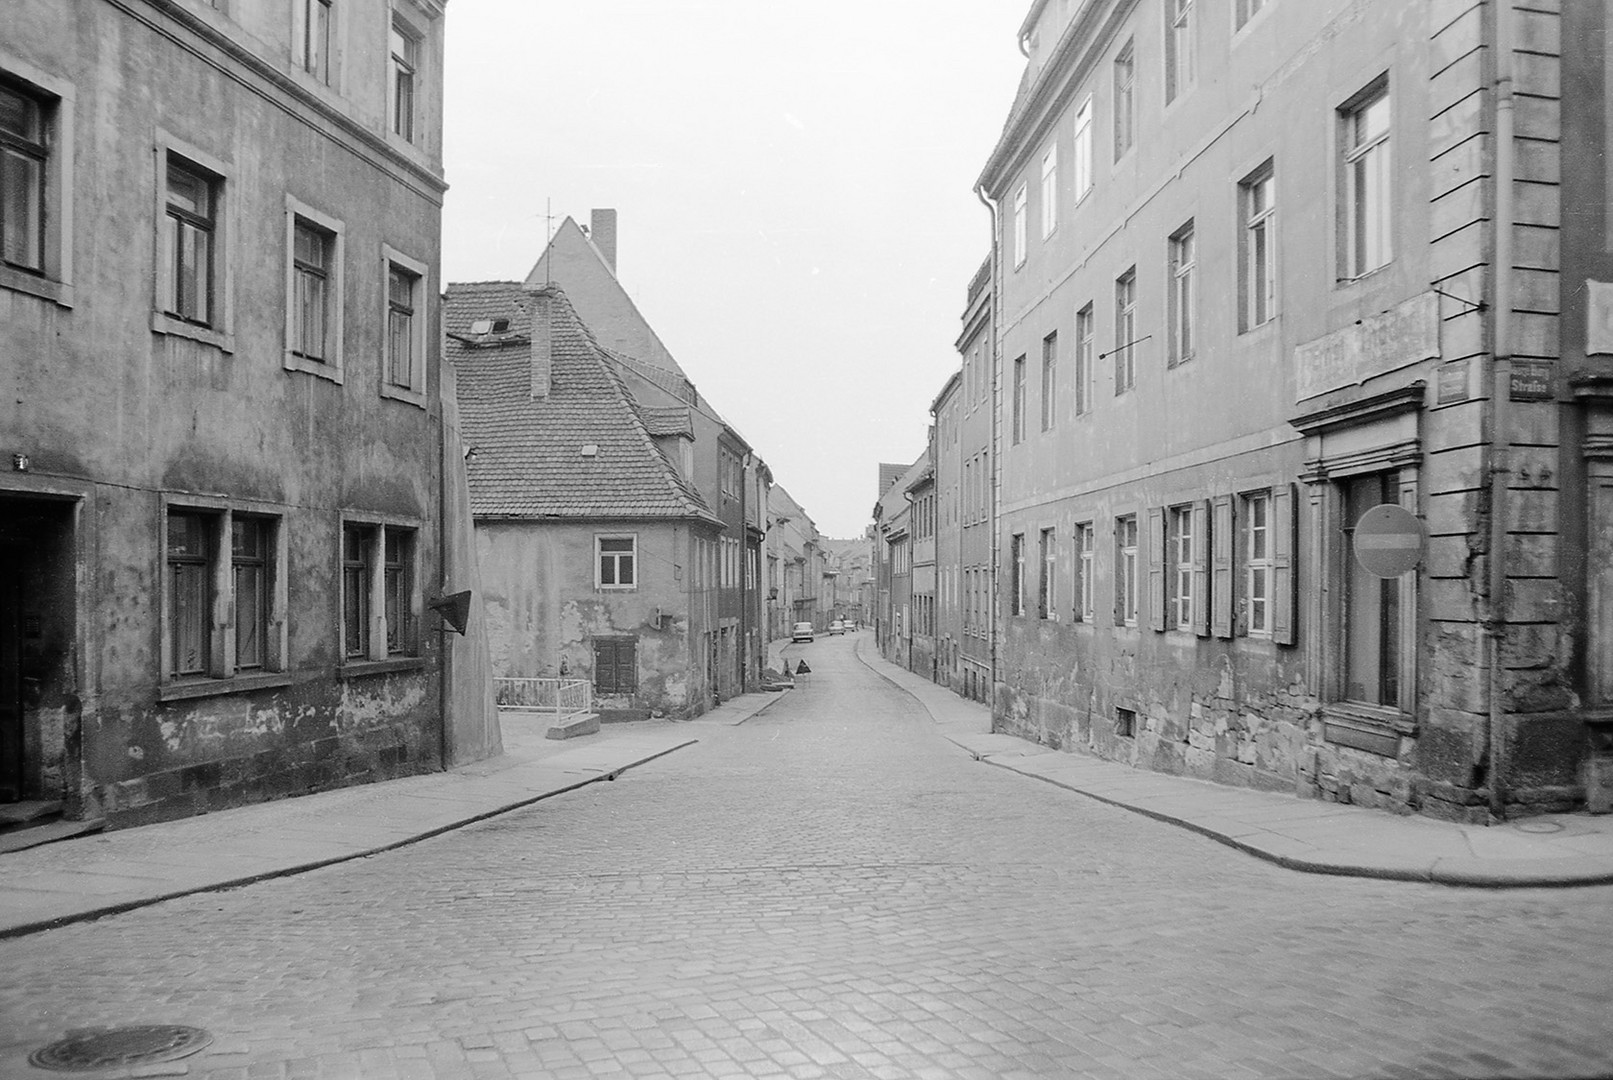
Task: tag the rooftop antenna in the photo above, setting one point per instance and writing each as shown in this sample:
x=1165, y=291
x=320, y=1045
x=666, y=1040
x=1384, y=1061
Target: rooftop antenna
x=548, y=243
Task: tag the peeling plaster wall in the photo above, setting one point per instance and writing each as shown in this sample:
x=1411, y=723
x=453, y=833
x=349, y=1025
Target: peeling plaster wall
x=544, y=609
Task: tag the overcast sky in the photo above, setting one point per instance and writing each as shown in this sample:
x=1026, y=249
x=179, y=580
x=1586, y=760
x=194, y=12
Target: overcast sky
x=795, y=189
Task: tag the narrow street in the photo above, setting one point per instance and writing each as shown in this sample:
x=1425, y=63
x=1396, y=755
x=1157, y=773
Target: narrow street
x=831, y=889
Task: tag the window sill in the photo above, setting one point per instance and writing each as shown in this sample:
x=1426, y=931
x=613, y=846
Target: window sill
x=404, y=394
x=1366, y=727
x=57, y=292
x=319, y=368
x=358, y=669
x=1346, y=282
x=239, y=684
x=171, y=327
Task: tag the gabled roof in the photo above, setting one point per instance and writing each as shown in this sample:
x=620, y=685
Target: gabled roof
x=530, y=457
x=888, y=475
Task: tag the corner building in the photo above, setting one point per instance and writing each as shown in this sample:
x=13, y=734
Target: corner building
x=1260, y=267
x=219, y=514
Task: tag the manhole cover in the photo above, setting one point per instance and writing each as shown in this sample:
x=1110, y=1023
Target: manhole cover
x=1540, y=825
x=88, y=1051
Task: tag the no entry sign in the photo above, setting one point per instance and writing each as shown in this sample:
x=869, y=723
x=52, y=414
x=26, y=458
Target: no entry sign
x=1388, y=541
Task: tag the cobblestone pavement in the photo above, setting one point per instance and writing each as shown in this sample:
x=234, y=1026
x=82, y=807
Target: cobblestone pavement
x=831, y=890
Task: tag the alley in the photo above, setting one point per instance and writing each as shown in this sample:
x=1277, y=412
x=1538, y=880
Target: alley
x=832, y=890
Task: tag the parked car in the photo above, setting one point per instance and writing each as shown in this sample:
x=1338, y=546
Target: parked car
x=802, y=632
x=837, y=627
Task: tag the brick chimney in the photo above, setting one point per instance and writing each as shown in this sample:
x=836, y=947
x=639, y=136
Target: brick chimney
x=543, y=304
x=602, y=231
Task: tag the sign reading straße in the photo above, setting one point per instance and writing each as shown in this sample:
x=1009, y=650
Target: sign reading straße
x=1388, y=541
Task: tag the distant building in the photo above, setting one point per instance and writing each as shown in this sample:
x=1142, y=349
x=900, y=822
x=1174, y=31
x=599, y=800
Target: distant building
x=599, y=558
x=220, y=523
x=1259, y=272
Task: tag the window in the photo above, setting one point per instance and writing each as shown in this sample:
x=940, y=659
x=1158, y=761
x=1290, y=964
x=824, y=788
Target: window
x=190, y=598
x=1256, y=552
x=1016, y=592
x=1019, y=227
x=314, y=244
x=190, y=226
x=1182, y=564
x=1019, y=400
x=1246, y=10
x=403, y=375
x=1125, y=330
x=249, y=564
x=1366, y=244
x=405, y=61
x=311, y=261
x=223, y=598
x=310, y=37
x=1050, y=380
x=1371, y=604
x=1083, y=361
x=1125, y=118
x=1046, y=599
x=1083, y=149
x=1084, y=550
x=615, y=665
x=380, y=610
x=1126, y=570
x=1050, y=191
x=24, y=152
x=1179, y=51
x=1125, y=722
x=1257, y=267
x=1182, y=264
x=616, y=562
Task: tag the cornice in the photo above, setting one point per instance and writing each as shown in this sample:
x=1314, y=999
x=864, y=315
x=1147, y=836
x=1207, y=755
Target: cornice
x=363, y=142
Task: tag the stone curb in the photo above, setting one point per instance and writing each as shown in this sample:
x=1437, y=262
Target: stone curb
x=23, y=929
x=1471, y=872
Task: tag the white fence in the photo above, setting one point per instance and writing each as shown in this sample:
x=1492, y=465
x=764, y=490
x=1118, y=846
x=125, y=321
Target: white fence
x=560, y=698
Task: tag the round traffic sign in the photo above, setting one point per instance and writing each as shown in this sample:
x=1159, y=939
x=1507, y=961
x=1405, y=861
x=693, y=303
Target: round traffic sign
x=1388, y=541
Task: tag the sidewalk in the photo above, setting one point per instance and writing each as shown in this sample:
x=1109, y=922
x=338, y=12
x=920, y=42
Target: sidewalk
x=1301, y=834
x=105, y=873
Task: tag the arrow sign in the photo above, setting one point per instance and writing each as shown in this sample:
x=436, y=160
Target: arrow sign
x=1389, y=541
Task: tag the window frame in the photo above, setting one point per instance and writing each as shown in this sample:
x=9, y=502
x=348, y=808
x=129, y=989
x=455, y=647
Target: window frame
x=179, y=223
x=1127, y=527
x=1021, y=241
x=1181, y=49
x=1356, y=156
x=1017, y=431
x=1083, y=149
x=331, y=367
x=219, y=331
x=56, y=98
x=222, y=671
x=1183, y=299
x=1245, y=12
x=1124, y=117
x=1125, y=331
x=633, y=562
x=1016, y=592
x=1050, y=190
x=1250, y=563
x=1085, y=559
x=379, y=640
x=1050, y=380
x=1257, y=232
x=1085, y=341
x=414, y=392
x=1047, y=583
x=401, y=123
x=324, y=69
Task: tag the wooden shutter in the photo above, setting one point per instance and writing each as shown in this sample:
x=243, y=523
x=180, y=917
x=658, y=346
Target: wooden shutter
x=1223, y=584
x=1284, y=531
x=1155, y=542
x=1201, y=568
x=1120, y=593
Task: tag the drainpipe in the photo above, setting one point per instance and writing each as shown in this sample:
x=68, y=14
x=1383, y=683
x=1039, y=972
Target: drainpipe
x=996, y=434
x=1500, y=402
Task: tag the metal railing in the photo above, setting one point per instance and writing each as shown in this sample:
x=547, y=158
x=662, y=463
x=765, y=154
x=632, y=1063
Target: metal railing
x=561, y=698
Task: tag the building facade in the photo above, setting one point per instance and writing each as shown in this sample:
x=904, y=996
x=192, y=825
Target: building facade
x=223, y=429
x=1260, y=270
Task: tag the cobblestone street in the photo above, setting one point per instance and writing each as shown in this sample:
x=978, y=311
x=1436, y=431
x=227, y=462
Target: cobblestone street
x=832, y=890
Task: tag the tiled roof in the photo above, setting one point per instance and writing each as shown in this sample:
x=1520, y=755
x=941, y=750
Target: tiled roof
x=667, y=421
x=530, y=459
x=888, y=475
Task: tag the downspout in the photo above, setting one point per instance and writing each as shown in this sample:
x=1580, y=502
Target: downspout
x=1500, y=401
x=996, y=455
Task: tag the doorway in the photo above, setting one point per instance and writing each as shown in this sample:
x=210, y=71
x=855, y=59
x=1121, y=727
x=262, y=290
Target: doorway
x=37, y=655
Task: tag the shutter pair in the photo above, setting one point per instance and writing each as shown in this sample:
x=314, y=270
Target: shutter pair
x=1215, y=579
